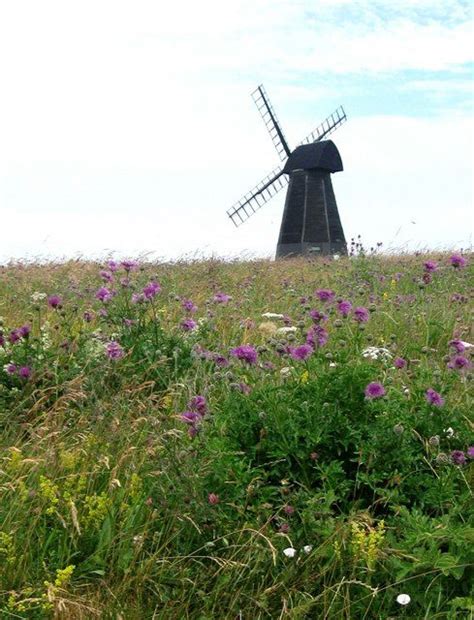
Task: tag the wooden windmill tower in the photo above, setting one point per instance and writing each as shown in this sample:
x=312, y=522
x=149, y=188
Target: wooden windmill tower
x=311, y=221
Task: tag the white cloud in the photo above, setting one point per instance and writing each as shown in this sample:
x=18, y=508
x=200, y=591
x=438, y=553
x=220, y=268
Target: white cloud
x=129, y=126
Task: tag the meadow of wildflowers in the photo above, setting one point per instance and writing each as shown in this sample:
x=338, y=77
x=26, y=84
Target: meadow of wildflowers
x=249, y=440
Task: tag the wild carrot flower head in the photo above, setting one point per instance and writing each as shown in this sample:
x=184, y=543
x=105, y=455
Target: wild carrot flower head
x=361, y=314
x=245, y=353
x=54, y=301
x=302, y=352
x=433, y=398
x=374, y=390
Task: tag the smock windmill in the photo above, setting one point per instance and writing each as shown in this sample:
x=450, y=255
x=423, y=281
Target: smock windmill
x=311, y=221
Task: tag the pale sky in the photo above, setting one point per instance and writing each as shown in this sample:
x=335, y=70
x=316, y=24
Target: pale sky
x=127, y=127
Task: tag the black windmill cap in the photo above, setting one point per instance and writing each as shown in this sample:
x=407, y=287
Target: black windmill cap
x=322, y=155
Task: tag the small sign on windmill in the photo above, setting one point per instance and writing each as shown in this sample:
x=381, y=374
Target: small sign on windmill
x=311, y=222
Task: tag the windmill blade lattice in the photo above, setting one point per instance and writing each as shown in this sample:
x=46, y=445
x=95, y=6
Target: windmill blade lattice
x=268, y=115
x=258, y=196
x=330, y=124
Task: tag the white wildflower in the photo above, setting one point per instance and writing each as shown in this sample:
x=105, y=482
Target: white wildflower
x=286, y=330
x=37, y=296
x=272, y=315
x=336, y=257
x=467, y=345
x=403, y=599
x=285, y=372
x=332, y=364
x=449, y=432
x=308, y=548
x=289, y=552
x=375, y=353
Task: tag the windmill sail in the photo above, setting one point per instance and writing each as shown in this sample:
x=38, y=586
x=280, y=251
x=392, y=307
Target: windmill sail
x=268, y=115
x=330, y=124
x=258, y=196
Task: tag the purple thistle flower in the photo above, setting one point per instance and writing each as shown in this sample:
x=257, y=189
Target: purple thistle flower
x=325, y=294
x=11, y=369
x=107, y=276
x=14, y=336
x=88, y=316
x=458, y=345
x=433, y=398
x=399, y=362
x=317, y=316
x=459, y=362
x=198, y=403
x=188, y=325
x=114, y=351
x=458, y=261
x=188, y=305
x=24, y=372
x=25, y=330
x=361, y=314
x=220, y=360
x=302, y=352
x=125, y=282
x=103, y=294
x=55, y=302
x=138, y=298
x=317, y=336
x=2, y=340
x=245, y=353
x=344, y=307
x=113, y=265
x=374, y=390
x=458, y=457
x=151, y=290
x=470, y=452
x=129, y=265
x=191, y=417
x=222, y=298
x=430, y=266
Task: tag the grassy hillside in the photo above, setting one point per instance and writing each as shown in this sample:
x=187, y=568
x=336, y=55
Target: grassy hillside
x=170, y=452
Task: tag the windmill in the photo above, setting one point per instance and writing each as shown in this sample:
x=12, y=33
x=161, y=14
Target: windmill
x=311, y=221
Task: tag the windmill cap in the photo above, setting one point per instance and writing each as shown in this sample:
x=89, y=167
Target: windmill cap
x=323, y=155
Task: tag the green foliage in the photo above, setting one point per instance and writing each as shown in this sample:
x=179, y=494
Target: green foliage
x=286, y=492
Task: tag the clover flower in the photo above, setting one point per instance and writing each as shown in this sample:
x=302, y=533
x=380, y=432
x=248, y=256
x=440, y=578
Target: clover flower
x=290, y=552
x=433, y=398
x=374, y=390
